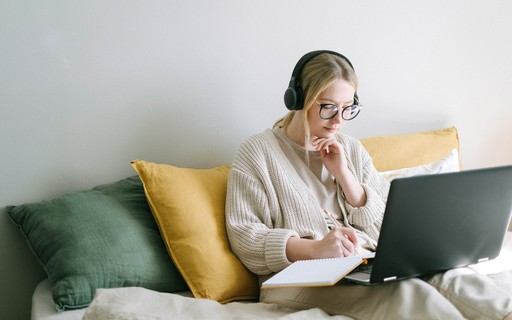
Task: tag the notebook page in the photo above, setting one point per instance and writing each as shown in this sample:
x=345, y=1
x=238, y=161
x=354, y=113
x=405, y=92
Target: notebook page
x=317, y=272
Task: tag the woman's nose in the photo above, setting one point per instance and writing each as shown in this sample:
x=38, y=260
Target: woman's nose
x=337, y=118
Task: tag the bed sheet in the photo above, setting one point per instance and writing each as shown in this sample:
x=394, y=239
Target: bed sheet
x=143, y=304
x=43, y=307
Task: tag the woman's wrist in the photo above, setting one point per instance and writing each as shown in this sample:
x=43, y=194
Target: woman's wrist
x=353, y=192
x=300, y=249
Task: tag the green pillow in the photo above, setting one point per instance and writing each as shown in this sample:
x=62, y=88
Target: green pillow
x=105, y=237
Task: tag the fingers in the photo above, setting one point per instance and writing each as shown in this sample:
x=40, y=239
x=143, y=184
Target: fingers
x=347, y=240
x=351, y=235
x=324, y=144
x=347, y=247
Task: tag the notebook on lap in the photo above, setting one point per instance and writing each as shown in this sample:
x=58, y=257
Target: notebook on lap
x=433, y=223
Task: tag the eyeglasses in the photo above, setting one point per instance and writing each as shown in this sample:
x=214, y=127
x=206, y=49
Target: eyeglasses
x=329, y=111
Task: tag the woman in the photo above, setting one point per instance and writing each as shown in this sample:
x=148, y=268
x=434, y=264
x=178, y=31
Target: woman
x=287, y=182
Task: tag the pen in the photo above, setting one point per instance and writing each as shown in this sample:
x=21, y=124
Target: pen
x=336, y=222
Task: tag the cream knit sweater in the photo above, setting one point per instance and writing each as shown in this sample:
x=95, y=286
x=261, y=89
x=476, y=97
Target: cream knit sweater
x=267, y=202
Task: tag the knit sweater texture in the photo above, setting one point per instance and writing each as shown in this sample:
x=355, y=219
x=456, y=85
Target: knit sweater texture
x=267, y=202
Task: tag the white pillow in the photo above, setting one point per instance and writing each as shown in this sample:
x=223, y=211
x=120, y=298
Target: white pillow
x=447, y=164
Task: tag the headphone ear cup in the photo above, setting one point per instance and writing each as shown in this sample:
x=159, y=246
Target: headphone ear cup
x=290, y=98
x=300, y=98
x=293, y=98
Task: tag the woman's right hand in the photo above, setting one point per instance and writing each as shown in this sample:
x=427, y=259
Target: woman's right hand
x=339, y=242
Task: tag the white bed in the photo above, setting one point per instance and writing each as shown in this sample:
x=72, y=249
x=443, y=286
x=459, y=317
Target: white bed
x=139, y=303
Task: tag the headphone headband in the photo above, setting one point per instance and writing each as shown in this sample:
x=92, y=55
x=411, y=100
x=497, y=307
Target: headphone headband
x=294, y=95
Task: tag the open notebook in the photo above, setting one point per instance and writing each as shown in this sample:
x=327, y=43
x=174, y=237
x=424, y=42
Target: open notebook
x=316, y=272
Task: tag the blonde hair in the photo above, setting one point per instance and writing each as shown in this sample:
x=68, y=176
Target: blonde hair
x=318, y=74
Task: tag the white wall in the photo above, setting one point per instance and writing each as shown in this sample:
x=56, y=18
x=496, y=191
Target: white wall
x=87, y=86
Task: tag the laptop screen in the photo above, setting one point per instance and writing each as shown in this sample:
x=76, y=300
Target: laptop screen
x=437, y=222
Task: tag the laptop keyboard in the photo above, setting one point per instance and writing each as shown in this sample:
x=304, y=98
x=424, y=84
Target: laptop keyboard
x=365, y=268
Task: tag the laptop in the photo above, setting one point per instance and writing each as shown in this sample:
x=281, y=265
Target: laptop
x=433, y=223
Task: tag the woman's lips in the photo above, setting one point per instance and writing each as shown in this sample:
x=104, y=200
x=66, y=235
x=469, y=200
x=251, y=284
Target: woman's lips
x=331, y=130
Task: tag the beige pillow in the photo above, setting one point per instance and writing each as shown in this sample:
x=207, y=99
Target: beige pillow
x=411, y=150
x=188, y=206
x=445, y=165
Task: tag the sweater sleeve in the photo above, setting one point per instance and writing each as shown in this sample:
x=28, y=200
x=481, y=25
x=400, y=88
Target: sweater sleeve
x=367, y=218
x=249, y=220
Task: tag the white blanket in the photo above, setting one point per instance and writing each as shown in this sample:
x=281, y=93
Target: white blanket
x=142, y=304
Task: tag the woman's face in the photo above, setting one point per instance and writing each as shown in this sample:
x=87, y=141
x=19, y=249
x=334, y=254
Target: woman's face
x=340, y=93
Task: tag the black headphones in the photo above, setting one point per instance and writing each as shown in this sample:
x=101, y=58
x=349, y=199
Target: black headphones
x=294, y=95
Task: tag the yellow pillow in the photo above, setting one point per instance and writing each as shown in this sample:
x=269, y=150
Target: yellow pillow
x=411, y=150
x=188, y=206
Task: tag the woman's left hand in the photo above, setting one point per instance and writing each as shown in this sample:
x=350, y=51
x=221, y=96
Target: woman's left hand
x=332, y=155
x=334, y=160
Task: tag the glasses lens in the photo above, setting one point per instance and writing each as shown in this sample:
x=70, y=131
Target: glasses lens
x=351, y=112
x=328, y=111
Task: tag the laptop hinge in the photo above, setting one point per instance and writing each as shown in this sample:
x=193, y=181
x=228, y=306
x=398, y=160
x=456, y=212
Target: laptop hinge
x=389, y=279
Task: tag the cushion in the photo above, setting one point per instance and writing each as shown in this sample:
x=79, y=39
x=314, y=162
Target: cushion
x=447, y=164
x=410, y=150
x=100, y=238
x=188, y=205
